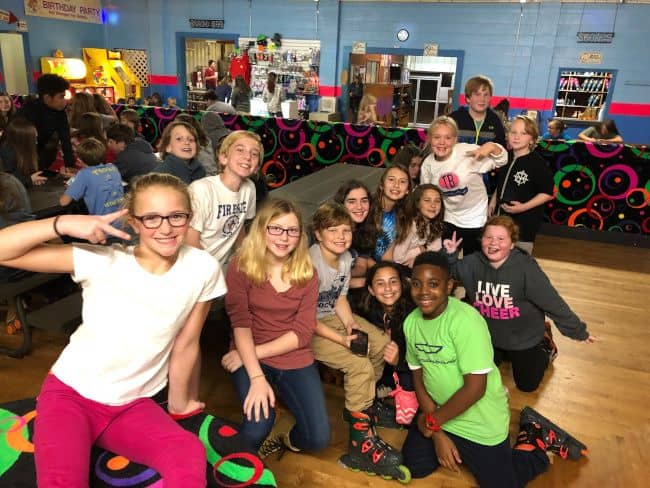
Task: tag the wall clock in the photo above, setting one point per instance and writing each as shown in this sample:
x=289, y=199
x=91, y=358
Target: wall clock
x=402, y=35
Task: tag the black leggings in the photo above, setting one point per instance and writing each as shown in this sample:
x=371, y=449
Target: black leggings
x=497, y=466
x=528, y=365
x=471, y=237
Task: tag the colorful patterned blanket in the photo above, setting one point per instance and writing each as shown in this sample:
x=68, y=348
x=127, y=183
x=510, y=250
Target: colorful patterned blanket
x=230, y=462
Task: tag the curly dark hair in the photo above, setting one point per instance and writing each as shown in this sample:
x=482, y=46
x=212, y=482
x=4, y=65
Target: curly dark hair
x=426, y=229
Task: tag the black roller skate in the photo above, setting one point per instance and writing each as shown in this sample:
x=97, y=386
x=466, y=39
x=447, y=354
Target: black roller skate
x=537, y=430
x=383, y=414
x=548, y=344
x=367, y=452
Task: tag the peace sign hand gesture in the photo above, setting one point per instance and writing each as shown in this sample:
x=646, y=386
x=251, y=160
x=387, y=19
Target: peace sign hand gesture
x=93, y=228
x=451, y=245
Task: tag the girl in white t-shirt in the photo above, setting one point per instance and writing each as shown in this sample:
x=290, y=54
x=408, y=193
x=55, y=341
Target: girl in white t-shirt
x=222, y=203
x=457, y=169
x=143, y=311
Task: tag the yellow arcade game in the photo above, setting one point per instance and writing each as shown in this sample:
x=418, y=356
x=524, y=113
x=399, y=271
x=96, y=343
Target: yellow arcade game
x=72, y=69
x=106, y=68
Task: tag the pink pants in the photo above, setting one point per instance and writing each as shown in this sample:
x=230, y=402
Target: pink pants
x=67, y=425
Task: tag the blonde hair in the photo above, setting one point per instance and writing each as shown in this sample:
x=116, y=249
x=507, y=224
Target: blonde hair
x=232, y=138
x=442, y=120
x=366, y=100
x=298, y=267
x=144, y=182
x=530, y=128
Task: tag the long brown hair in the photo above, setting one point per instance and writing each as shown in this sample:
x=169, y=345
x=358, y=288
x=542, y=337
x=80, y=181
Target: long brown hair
x=20, y=137
x=5, y=118
x=402, y=220
x=426, y=229
x=364, y=235
x=270, y=82
x=81, y=103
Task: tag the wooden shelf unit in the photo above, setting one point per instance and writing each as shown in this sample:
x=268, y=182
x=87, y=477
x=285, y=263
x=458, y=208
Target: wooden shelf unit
x=581, y=95
x=196, y=99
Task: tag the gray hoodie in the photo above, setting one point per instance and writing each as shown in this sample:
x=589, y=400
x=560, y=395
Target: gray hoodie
x=514, y=300
x=137, y=159
x=214, y=128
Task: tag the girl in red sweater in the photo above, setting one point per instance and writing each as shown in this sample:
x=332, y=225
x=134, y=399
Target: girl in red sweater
x=271, y=302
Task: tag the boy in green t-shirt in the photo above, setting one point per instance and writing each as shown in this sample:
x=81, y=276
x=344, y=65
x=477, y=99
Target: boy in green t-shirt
x=464, y=414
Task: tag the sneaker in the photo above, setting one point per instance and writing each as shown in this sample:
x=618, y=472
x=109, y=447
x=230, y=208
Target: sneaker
x=14, y=326
x=277, y=443
x=539, y=431
x=548, y=344
x=272, y=445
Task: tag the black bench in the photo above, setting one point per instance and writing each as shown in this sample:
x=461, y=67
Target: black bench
x=62, y=315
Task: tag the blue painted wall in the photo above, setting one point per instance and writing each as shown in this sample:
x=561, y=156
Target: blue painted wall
x=44, y=35
x=520, y=46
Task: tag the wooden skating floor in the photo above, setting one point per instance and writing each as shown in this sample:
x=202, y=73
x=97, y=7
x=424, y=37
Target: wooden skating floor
x=600, y=393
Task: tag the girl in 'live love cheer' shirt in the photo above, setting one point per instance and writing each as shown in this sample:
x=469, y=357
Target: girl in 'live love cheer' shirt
x=512, y=293
x=223, y=202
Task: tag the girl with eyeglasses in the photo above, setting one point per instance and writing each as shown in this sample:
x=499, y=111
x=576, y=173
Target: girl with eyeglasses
x=99, y=389
x=271, y=302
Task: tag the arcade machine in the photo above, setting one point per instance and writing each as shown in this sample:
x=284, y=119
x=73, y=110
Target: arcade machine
x=110, y=75
x=72, y=69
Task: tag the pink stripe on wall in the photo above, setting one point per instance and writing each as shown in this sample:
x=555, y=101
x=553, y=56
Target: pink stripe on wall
x=518, y=102
x=634, y=109
x=163, y=80
x=615, y=108
x=329, y=91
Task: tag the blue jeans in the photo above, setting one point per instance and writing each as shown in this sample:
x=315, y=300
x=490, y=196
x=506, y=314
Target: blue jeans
x=302, y=392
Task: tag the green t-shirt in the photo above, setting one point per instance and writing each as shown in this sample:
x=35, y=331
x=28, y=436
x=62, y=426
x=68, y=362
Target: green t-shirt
x=452, y=345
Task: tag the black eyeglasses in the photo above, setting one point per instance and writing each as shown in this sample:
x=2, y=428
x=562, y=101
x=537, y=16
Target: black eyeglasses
x=154, y=221
x=275, y=230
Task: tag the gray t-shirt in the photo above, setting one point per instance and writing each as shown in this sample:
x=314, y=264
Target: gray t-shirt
x=332, y=283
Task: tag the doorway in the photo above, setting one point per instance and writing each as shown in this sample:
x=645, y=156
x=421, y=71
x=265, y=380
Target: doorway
x=12, y=64
x=425, y=93
x=432, y=81
x=193, y=51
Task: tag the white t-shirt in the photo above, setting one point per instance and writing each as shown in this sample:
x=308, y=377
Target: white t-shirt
x=130, y=318
x=332, y=283
x=219, y=213
x=460, y=179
